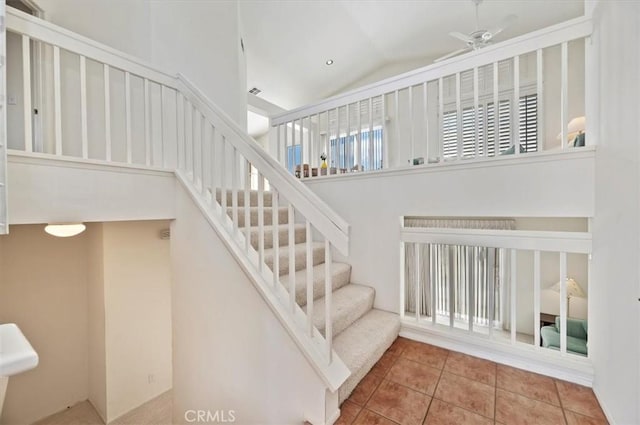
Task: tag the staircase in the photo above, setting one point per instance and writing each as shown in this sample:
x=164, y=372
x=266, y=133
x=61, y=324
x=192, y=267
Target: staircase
x=361, y=333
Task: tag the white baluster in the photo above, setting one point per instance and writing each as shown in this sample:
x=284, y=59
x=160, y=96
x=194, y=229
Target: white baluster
x=512, y=311
x=163, y=99
x=540, y=98
x=476, y=113
x=496, y=109
x=515, y=133
x=223, y=188
x=180, y=129
x=147, y=124
x=57, y=102
x=292, y=258
x=425, y=106
x=261, y=220
x=247, y=205
x=127, y=115
x=416, y=278
x=107, y=112
x=536, y=298
x=309, y=244
x=411, y=125
x=276, y=237
x=564, y=94
x=459, y=116
x=563, y=302
x=26, y=92
x=403, y=295
x=328, y=288
x=84, y=132
x=440, y=119
x=234, y=189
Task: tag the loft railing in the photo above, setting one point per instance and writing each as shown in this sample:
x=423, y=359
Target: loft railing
x=487, y=281
x=102, y=105
x=446, y=111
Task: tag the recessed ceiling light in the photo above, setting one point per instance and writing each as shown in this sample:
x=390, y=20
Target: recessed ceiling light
x=329, y=62
x=65, y=230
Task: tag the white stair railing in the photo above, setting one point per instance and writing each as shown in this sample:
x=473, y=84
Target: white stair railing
x=168, y=123
x=445, y=111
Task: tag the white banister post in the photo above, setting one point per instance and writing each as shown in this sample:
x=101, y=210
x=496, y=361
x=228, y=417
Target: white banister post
x=416, y=278
x=261, y=221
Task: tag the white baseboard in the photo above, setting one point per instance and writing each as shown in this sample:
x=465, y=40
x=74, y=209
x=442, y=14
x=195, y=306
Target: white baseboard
x=603, y=406
x=534, y=359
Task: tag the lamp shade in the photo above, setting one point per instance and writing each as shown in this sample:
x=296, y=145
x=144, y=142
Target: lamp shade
x=575, y=127
x=573, y=288
x=65, y=230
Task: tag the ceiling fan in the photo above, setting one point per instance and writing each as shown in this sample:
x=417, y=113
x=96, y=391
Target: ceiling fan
x=480, y=37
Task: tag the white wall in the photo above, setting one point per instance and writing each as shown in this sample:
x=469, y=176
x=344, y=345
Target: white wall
x=137, y=296
x=615, y=337
x=42, y=191
x=372, y=204
x=43, y=290
x=123, y=24
x=229, y=350
x=96, y=320
x=201, y=39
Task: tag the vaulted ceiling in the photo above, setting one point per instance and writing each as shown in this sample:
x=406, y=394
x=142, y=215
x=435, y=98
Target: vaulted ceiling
x=288, y=42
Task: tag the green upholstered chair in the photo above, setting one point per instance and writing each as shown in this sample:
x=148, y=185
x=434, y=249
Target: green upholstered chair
x=576, y=336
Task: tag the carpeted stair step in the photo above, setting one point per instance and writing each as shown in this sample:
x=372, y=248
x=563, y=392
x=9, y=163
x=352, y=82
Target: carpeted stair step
x=348, y=304
x=253, y=198
x=340, y=272
x=283, y=215
x=300, y=235
x=300, y=252
x=363, y=343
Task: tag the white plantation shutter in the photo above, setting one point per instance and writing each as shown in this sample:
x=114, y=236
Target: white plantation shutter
x=529, y=122
x=528, y=110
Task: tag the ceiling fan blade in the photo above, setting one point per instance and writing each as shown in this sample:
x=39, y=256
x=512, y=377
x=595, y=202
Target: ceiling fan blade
x=461, y=36
x=452, y=54
x=504, y=24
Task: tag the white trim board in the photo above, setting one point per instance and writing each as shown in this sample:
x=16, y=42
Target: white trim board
x=576, y=370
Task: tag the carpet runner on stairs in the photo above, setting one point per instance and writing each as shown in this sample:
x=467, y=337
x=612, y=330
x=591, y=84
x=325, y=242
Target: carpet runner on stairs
x=361, y=333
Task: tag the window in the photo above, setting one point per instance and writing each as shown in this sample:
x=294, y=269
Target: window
x=528, y=128
x=293, y=157
x=343, y=150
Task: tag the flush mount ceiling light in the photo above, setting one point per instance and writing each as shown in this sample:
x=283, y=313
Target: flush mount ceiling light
x=329, y=62
x=65, y=230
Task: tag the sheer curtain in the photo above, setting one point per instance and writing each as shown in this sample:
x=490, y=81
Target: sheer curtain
x=467, y=269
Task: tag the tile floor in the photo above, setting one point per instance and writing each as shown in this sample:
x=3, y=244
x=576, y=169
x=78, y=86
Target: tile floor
x=415, y=384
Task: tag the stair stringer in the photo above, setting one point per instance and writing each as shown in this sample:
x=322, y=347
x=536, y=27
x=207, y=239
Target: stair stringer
x=334, y=374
